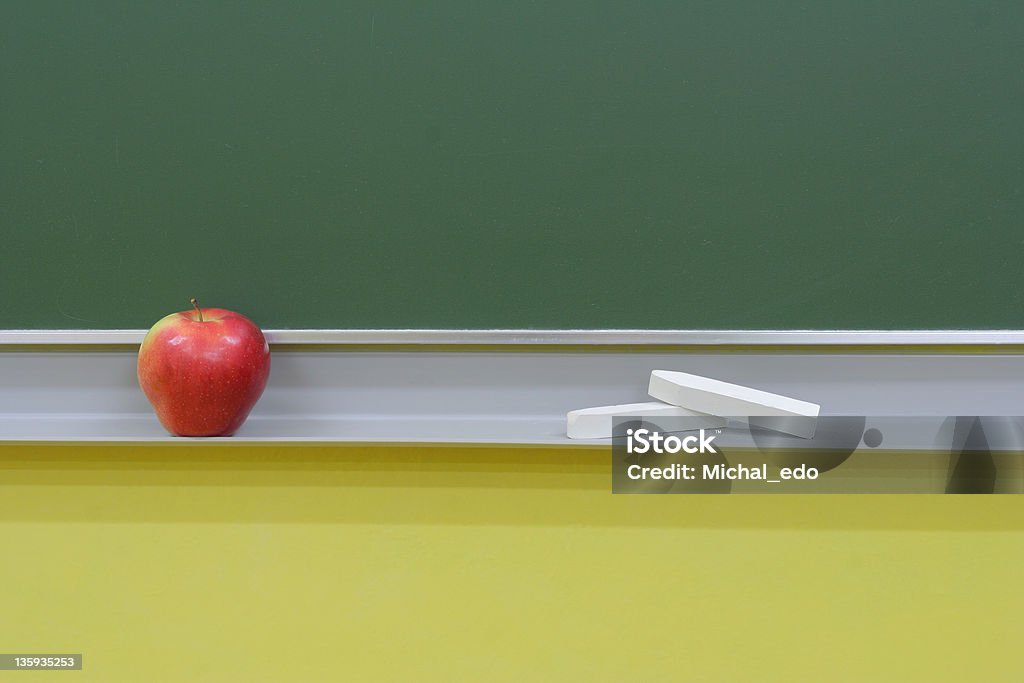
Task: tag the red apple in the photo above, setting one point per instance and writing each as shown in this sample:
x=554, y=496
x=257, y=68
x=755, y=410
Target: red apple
x=203, y=370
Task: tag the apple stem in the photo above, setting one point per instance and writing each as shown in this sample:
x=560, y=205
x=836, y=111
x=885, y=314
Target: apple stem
x=195, y=305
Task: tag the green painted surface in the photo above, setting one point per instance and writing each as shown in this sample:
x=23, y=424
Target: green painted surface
x=727, y=164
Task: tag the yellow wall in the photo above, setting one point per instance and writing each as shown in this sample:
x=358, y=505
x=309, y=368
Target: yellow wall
x=181, y=563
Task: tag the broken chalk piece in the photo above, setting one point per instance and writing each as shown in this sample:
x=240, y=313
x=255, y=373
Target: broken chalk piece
x=758, y=408
x=597, y=423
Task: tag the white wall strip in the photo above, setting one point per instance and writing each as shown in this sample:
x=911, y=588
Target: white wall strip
x=488, y=397
x=556, y=337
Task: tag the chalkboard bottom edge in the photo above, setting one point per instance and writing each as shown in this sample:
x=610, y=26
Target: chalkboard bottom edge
x=526, y=337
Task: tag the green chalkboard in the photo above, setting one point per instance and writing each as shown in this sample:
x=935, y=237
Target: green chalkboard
x=517, y=164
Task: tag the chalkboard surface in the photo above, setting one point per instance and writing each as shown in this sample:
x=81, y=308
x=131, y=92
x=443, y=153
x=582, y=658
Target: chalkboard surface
x=471, y=164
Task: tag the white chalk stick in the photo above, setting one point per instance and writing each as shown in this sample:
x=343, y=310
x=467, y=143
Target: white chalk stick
x=759, y=408
x=597, y=423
